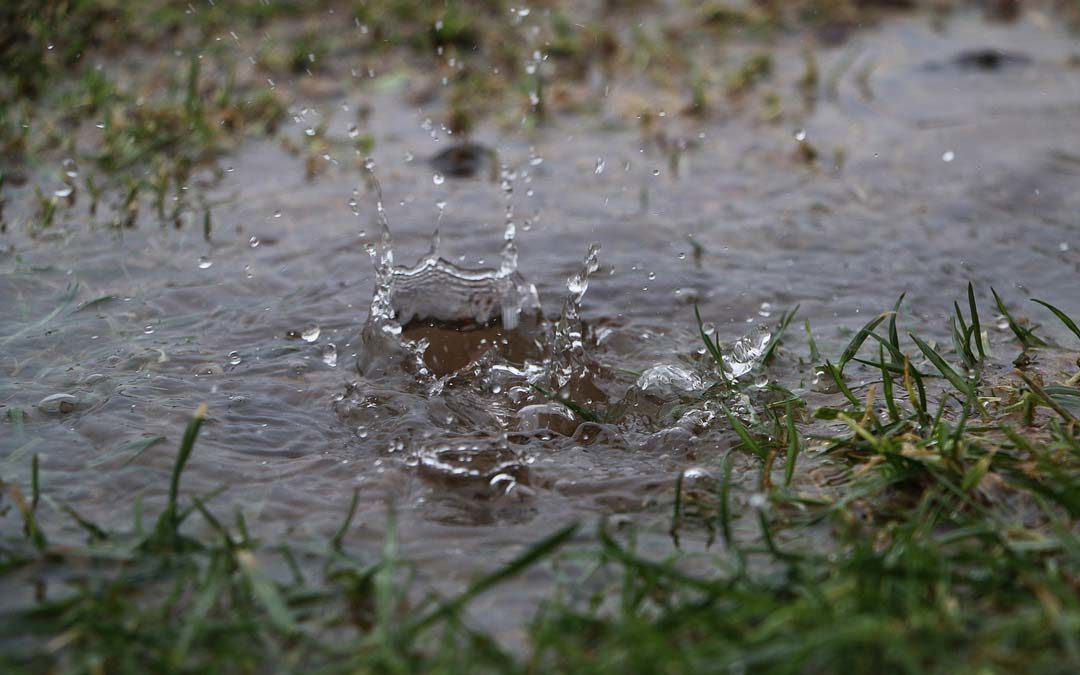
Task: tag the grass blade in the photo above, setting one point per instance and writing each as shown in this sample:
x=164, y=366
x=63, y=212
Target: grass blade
x=1062, y=317
x=973, y=308
x=860, y=337
x=962, y=385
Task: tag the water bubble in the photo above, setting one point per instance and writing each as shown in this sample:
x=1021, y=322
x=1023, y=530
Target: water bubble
x=205, y=263
x=695, y=473
x=948, y=156
x=438, y=179
x=329, y=354
x=600, y=164
x=1002, y=323
x=765, y=310
x=311, y=333
x=656, y=172
x=651, y=275
x=362, y=431
x=58, y=404
x=277, y=214
x=234, y=358
x=254, y=242
x=148, y=329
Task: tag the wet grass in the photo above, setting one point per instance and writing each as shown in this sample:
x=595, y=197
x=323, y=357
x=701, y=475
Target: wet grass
x=923, y=521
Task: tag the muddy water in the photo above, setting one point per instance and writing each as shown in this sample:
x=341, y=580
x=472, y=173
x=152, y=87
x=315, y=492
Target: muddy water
x=929, y=173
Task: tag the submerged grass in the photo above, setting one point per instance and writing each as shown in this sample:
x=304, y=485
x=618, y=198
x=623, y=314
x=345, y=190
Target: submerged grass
x=932, y=530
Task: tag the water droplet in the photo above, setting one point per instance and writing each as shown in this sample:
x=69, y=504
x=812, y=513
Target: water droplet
x=800, y=135
x=310, y=131
x=205, y=263
x=438, y=179
x=148, y=329
x=353, y=131
x=248, y=272
x=329, y=354
x=948, y=156
x=600, y=164
x=651, y=275
x=234, y=358
x=277, y=214
x=254, y=242
x=409, y=157
x=64, y=192
x=70, y=170
x=765, y=310
x=656, y=172
x=311, y=333
x=354, y=205
x=1063, y=246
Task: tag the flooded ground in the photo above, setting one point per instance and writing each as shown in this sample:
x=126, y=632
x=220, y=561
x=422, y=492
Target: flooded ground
x=924, y=161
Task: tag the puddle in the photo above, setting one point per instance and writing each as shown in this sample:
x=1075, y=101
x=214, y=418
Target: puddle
x=448, y=395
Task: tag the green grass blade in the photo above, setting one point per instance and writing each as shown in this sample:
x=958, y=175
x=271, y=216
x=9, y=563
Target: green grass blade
x=169, y=520
x=1062, y=317
x=1026, y=337
x=744, y=435
x=962, y=385
x=857, y=342
x=976, y=325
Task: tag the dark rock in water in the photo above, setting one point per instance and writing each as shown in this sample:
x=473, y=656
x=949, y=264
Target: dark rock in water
x=463, y=160
x=984, y=60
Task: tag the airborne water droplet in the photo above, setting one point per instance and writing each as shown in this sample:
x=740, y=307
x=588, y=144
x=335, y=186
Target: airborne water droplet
x=253, y=242
x=329, y=354
x=205, y=263
x=438, y=179
x=948, y=156
x=600, y=164
x=353, y=131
